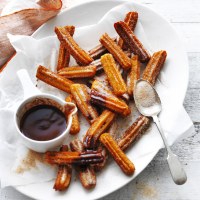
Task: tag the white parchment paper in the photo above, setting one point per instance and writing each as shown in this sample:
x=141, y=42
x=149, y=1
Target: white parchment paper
x=31, y=53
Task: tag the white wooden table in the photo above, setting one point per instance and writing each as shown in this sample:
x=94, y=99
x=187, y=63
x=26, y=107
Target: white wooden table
x=155, y=181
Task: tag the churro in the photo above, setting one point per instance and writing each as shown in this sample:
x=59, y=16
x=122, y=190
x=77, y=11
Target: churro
x=97, y=128
x=131, y=20
x=77, y=52
x=63, y=175
x=86, y=173
x=53, y=79
x=133, y=75
x=78, y=71
x=68, y=157
x=103, y=96
x=132, y=41
x=80, y=93
x=154, y=66
x=116, y=51
x=64, y=55
x=118, y=155
x=135, y=130
x=114, y=77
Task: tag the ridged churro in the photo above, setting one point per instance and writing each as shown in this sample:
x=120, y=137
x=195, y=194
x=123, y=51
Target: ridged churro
x=131, y=20
x=53, y=79
x=154, y=66
x=118, y=155
x=63, y=175
x=103, y=96
x=80, y=93
x=86, y=173
x=114, y=77
x=112, y=131
x=97, y=128
x=132, y=41
x=116, y=51
x=78, y=71
x=87, y=176
x=77, y=52
x=64, y=55
x=135, y=130
x=133, y=75
x=68, y=157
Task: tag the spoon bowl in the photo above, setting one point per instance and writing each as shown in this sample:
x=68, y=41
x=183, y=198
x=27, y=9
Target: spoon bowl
x=146, y=98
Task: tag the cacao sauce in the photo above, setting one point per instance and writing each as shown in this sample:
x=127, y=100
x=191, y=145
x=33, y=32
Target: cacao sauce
x=43, y=122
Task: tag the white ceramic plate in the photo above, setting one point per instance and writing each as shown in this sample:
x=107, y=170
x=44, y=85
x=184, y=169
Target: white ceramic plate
x=157, y=32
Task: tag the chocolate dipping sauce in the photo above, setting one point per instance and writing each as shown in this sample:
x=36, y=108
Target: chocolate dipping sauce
x=43, y=122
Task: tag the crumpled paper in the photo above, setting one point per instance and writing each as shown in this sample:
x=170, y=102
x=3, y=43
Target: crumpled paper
x=31, y=53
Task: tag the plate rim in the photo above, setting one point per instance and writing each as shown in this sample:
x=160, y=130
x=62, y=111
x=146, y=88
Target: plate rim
x=153, y=154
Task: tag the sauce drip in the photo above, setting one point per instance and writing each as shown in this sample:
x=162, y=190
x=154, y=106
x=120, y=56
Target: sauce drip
x=43, y=122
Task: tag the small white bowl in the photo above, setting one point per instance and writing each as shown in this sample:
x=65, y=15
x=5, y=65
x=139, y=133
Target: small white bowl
x=33, y=97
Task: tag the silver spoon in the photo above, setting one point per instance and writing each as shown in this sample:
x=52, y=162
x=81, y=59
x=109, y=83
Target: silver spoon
x=148, y=103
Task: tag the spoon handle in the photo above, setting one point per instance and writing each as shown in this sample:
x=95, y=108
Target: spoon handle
x=176, y=169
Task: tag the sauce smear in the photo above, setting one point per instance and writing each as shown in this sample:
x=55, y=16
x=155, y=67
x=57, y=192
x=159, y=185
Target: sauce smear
x=43, y=122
